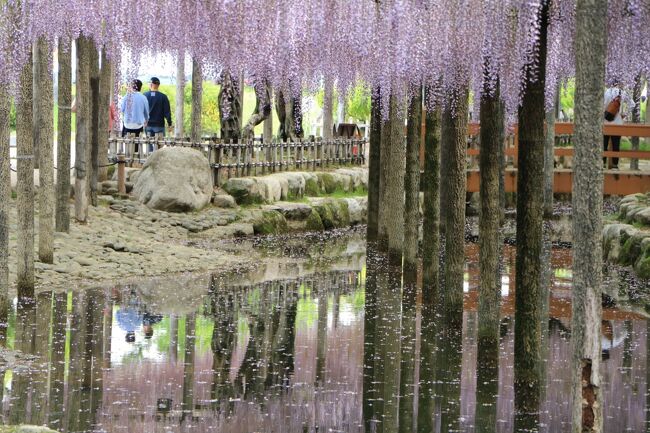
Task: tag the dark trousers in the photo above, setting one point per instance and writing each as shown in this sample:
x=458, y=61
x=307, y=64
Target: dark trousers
x=135, y=132
x=616, y=146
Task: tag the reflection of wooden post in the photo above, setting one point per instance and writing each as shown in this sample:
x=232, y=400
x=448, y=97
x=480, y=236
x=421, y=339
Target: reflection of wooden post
x=188, y=368
x=121, y=175
x=57, y=361
x=173, y=337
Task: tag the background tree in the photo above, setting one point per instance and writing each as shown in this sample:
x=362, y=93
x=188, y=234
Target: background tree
x=412, y=185
x=5, y=202
x=230, y=104
x=197, y=95
x=82, y=137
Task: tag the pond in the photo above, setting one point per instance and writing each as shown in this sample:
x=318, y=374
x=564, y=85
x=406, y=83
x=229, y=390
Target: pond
x=297, y=346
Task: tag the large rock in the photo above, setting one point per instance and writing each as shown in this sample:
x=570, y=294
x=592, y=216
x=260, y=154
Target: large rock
x=175, y=179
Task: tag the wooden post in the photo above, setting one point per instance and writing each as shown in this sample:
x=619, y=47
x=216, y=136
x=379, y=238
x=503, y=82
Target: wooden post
x=121, y=173
x=238, y=170
x=249, y=155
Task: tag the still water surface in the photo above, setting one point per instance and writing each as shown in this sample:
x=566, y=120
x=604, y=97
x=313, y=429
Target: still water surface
x=283, y=349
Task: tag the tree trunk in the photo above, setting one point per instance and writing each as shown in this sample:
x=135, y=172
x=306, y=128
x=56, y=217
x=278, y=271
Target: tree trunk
x=229, y=107
x=327, y=110
x=43, y=139
x=636, y=117
x=530, y=206
x=268, y=127
x=549, y=160
x=197, y=95
x=25, y=185
x=82, y=138
x=180, y=96
x=5, y=202
x=262, y=109
x=382, y=218
x=431, y=223
x=395, y=182
x=412, y=185
x=454, y=132
x=104, y=104
x=374, y=164
x=587, y=201
x=63, y=137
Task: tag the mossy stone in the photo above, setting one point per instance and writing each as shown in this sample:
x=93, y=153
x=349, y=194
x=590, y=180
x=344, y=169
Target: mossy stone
x=326, y=214
x=314, y=222
x=631, y=250
x=311, y=188
x=328, y=182
x=642, y=267
x=342, y=213
x=270, y=223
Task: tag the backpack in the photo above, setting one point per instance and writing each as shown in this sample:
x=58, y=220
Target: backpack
x=613, y=108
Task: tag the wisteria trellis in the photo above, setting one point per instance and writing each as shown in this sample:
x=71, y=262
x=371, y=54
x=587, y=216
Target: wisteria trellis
x=297, y=43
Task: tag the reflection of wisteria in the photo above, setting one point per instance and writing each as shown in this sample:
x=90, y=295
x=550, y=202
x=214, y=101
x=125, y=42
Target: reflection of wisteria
x=283, y=351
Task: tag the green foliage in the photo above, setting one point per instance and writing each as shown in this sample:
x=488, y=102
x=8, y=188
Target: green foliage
x=357, y=102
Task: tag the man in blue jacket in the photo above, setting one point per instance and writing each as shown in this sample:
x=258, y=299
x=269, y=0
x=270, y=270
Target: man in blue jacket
x=159, y=110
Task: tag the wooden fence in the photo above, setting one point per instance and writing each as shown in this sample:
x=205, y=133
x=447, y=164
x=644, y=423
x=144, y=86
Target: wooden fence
x=250, y=158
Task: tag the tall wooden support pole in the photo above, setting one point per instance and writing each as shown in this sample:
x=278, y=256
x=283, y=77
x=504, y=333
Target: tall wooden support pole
x=327, y=109
x=530, y=203
x=63, y=137
x=395, y=181
x=104, y=113
x=374, y=169
x=384, y=170
x=454, y=134
x=431, y=222
x=25, y=185
x=412, y=186
x=549, y=159
x=180, y=96
x=93, y=161
x=5, y=201
x=82, y=137
x=43, y=139
x=197, y=95
x=587, y=200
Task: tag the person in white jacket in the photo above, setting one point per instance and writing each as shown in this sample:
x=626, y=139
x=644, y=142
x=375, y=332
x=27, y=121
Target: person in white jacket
x=611, y=93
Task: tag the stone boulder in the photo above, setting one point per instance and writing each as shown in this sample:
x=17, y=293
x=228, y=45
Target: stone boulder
x=175, y=179
x=224, y=201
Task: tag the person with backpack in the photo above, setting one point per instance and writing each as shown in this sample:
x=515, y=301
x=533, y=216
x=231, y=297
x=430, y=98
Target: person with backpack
x=616, y=102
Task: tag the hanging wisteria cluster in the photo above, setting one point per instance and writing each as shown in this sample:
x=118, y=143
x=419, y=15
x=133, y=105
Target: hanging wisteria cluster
x=392, y=45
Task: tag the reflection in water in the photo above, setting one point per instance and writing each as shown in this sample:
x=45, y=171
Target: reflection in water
x=353, y=349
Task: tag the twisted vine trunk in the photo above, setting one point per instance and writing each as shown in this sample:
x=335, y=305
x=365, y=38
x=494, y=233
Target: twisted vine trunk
x=229, y=107
x=530, y=203
x=549, y=159
x=289, y=112
x=82, y=138
x=63, y=137
x=94, y=124
x=431, y=222
x=383, y=222
x=197, y=103
x=374, y=164
x=412, y=186
x=454, y=134
x=25, y=185
x=262, y=108
x=587, y=201
x=43, y=139
x=636, y=117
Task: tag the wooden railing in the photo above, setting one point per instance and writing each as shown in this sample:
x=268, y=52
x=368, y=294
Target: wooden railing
x=563, y=133
x=249, y=158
